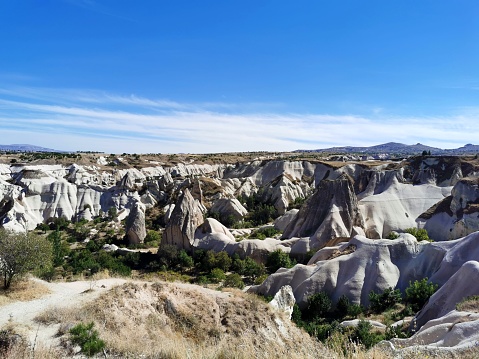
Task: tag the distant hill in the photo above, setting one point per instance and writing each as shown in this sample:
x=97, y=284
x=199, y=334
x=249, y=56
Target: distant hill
x=26, y=148
x=399, y=149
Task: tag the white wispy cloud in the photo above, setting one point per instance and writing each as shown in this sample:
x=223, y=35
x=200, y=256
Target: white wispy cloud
x=95, y=120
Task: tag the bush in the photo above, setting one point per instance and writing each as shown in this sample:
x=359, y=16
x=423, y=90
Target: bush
x=167, y=255
x=395, y=332
x=418, y=293
x=43, y=227
x=58, y=224
x=260, y=279
x=185, y=261
x=233, y=280
x=252, y=269
x=217, y=275
x=263, y=233
x=296, y=316
x=322, y=331
x=363, y=334
x=248, y=267
x=419, y=233
x=223, y=261
x=342, y=306
x=87, y=338
x=228, y=221
x=262, y=214
x=354, y=310
x=319, y=306
x=378, y=303
x=393, y=235
x=59, y=249
x=153, y=237
x=279, y=259
x=113, y=264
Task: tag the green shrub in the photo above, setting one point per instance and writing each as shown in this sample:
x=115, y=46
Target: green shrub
x=252, y=269
x=354, y=310
x=363, y=334
x=419, y=233
x=395, y=332
x=279, y=259
x=248, y=267
x=43, y=227
x=260, y=279
x=393, y=235
x=319, y=306
x=184, y=260
x=112, y=213
x=418, y=293
x=234, y=280
x=263, y=233
x=322, y=331
x=60, y=249
x=58, y=224
x=378, y=303
x=296, y=316
x=113, y=264
x=223, y=261
x=87, y=338
x=167, y=255
x=216, y=275
x=153, y=237
x=262, y=214
x=297, y=203
x=342, y=306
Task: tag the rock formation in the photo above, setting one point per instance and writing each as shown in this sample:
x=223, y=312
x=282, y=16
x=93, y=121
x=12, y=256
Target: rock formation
x=284, y=300
x=455, y=216
x=185, y=218
x=330, y=213
x=135, y=224
x=229, y=208
x=363, y=265
x=212, y=235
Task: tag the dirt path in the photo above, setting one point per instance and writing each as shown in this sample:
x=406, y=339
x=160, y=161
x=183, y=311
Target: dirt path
x=63, y=294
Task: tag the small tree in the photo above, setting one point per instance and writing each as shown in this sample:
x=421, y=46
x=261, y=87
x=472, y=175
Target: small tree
x=418, y=293
x=21, y=253
x=87, y=338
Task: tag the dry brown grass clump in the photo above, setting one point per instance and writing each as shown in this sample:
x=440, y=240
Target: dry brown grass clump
x=24, y=290
x=469, y=304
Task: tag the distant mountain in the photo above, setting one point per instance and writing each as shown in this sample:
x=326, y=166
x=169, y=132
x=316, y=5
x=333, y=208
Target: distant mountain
x=392, y=148
x=25, y=148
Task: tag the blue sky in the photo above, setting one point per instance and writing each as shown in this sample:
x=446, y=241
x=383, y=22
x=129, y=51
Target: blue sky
x=223, y=76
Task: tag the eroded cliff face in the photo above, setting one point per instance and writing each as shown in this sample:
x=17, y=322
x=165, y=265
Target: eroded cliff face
x=389, y=196
x=185, y=218
x=363, y=265
x=455, y=216
x=331, y=212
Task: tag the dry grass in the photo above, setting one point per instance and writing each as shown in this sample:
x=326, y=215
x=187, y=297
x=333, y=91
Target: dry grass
x=175, y=320
x=469, y=304
x=24, y=291
x=179, y=320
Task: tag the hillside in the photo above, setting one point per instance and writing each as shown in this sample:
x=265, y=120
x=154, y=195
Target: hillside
x=395, y=149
